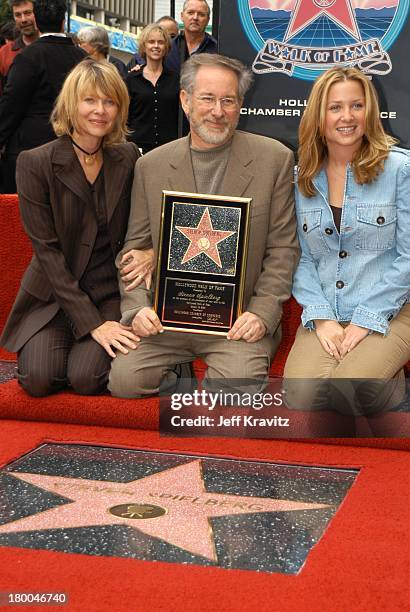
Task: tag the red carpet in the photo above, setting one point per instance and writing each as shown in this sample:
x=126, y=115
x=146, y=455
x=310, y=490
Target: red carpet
x=360, y=564
x=143, y=414
x=15, y=254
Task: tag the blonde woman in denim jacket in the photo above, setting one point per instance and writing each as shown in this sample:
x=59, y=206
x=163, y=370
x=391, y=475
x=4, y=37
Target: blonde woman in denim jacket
x=353, y=279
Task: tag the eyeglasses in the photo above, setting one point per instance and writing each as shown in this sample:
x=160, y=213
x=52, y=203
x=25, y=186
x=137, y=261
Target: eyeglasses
x=211, y=102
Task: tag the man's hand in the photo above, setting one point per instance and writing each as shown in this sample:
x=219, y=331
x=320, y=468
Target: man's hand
x=146, y=323
x=330, y=334
x=353, y=336
x=137, y=266
x=248, y=327
x=114, y=334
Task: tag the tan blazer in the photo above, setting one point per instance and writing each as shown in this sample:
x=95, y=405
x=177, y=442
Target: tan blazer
x=259, y=168
x=58, y=214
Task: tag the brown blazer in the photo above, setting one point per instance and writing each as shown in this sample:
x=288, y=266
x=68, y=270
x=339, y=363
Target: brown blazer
x=259, y=168
x=58, y=215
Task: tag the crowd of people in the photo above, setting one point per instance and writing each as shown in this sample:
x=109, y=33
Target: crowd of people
x=31, y=81
x=335, y=233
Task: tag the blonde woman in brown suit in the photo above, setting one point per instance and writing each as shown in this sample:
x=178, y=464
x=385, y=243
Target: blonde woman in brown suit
x=74, y=196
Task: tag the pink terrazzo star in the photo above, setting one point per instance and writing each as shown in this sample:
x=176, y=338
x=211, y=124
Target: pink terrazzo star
x=203, y=239
x=179, y=493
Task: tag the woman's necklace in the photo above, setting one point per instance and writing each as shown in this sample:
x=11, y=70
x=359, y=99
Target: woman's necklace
x=89, y=158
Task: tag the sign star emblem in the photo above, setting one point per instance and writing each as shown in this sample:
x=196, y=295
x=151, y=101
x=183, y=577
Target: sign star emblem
x=203, y=239
x=172, y=505
x=306, y=11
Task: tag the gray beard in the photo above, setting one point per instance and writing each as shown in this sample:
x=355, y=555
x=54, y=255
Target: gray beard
x=214, y=138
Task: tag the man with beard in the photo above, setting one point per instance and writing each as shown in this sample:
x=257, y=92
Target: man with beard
x=214, y=159
x=23, y=15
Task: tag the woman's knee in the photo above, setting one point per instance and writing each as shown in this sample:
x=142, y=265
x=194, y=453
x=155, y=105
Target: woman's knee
x=307, y=359
x=88, y=368
x=306, y=394
x=89, y=383
x=40, y=383
x=42, y=361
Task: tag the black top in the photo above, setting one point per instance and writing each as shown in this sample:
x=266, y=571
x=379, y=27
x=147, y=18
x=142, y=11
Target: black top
x=153, y=111
x=120, y=66
x=33, y=83
x=337, y=216
x=100, y=273
x=18, y=43
x=179, y=50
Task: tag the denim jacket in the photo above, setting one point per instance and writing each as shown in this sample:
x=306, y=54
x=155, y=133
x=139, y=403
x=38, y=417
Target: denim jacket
x=361, y=274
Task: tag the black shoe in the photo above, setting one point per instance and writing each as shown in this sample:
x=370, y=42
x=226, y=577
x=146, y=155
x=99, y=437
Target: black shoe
x=181, y=379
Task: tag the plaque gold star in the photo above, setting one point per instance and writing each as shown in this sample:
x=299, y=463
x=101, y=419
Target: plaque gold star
x=203, y=239
x=172, y=505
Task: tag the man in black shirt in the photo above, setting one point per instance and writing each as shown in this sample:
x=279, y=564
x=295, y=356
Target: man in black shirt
x=195, y=17
x=193, y=39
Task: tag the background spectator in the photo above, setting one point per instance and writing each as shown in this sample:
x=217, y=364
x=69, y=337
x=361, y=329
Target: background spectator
x=8, y=33
x=193, y=39
x=154, y=93
x=25, y=23
x=170, y=25
x=95, y=41
x=33, y=84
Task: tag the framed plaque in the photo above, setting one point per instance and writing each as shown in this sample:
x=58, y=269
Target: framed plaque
x=201, y=261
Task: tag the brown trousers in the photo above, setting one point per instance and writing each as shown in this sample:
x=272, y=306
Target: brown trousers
x=53, y=360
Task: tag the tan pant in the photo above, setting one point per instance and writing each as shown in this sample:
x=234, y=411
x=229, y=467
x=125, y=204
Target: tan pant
x=141, y=371
x=367, y=380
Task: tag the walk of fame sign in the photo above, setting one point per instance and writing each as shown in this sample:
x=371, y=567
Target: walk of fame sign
x=310, y=36
x=168, y=507
x=290, y=44
x=201, y=262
